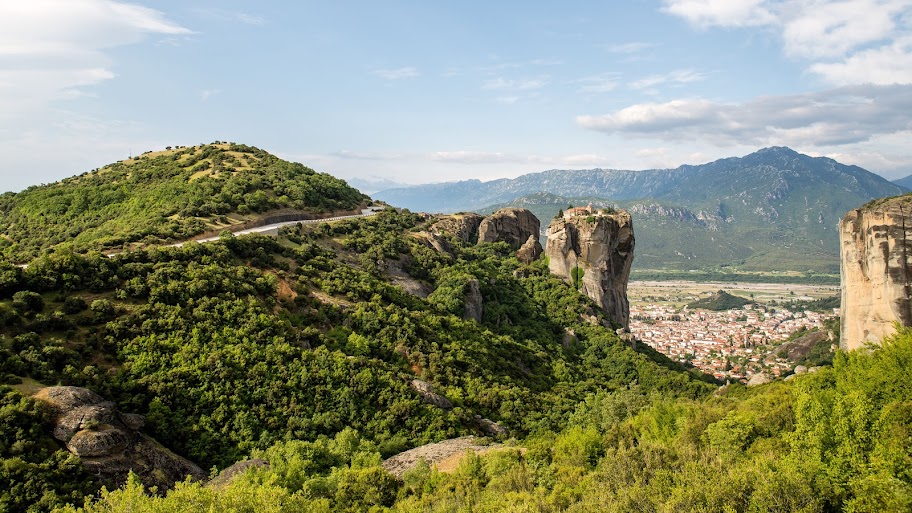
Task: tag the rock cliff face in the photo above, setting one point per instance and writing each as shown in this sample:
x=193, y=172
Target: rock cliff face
x=530, y=251
x=463, y=226
x=511, y=225
x=109, y=442
x=474, y=302
x=595, y=253
x=876, y=246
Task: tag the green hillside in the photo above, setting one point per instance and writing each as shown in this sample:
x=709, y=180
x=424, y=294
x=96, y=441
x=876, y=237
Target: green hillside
x=235, y=346
x=161, y=197
x=839, y=439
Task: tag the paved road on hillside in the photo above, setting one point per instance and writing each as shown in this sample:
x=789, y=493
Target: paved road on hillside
x=273, y=229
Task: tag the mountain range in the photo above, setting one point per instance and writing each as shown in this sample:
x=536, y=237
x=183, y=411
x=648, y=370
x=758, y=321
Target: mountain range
x=775, y=209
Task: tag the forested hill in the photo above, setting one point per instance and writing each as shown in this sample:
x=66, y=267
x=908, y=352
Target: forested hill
x=254, y=343
x=164, y=196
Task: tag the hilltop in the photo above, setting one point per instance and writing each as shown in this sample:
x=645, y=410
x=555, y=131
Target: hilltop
x=719, y=301
x=774, y=209
x=165, y=196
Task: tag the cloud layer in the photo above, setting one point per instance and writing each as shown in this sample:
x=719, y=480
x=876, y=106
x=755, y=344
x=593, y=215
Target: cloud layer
x=843, y=115
x=847, y=41
x=53, y=49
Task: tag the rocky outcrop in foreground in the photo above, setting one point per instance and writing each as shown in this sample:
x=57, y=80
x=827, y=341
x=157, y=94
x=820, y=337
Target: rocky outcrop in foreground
x=109, y=443
x=876, y=247
x=436, y=454
x=594, y=253
x=511, y=225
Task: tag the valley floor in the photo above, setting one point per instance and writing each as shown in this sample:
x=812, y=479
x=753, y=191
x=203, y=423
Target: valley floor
x=732, y=344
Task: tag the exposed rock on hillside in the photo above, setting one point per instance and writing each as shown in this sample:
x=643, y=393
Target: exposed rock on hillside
x=227, y=476
x=530, y=251
x=474, y=303
x=462, y=226
x=511, y=225
x=876, y=247
x=109, y=442
x=759, y=379
x=594, y=253
x=426, y=391
x=436, y=454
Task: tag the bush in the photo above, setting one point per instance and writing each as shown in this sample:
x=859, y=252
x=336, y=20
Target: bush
x=74, y=305
x=28, y=302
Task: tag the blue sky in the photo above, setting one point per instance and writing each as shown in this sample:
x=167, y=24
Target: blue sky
x=416, y=91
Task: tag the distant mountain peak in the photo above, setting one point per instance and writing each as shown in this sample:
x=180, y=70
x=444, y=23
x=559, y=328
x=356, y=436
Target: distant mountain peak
x=777, y=150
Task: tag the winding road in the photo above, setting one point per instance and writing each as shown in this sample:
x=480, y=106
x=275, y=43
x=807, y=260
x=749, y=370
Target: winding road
x=273, y=229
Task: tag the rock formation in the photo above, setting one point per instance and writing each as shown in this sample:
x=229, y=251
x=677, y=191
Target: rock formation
x=594, y=253
x=511, y=225
x=109, y=442
x=530, y=251
x=463, y=226
x=474, y=303
x=426, y=391
x=876, y=247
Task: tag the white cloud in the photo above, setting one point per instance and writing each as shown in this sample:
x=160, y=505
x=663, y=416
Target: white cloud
x=846, y=41
x=893, y=166
x=397, y=73
x=891, y=64
x=361, y=155
x=726, y=13
x=815, y=29
x=472, y=157
x=52, y=49
x=833, y=117
x=681, y=76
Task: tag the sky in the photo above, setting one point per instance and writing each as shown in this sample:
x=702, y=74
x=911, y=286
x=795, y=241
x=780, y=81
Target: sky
x=419, y=92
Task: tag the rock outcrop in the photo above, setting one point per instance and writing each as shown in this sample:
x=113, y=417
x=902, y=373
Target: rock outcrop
x=109, y=443
x=473, y=302
x=463, y=226
x=759, y=379
x=428, y=396
x=437, y=454
x=530, y=251
x=876, y=247
x=227, y=476
x=511, y=225
x=594, y=253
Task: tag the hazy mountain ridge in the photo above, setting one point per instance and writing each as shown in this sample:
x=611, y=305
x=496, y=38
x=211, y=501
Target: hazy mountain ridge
x=772, y=209
x=905, y=181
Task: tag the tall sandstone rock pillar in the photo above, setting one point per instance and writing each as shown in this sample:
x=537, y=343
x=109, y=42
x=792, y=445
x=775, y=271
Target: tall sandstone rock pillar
x=595, y=253
x=876, y=246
